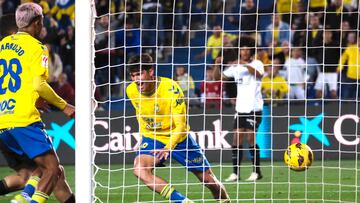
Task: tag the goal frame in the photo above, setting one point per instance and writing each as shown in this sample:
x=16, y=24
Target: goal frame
x=84, y=56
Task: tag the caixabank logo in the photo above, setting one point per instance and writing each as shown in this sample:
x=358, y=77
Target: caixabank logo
x=312, y=128
x=62, y=133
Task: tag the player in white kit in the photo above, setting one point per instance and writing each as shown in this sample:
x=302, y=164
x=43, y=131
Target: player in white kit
x=247, y=72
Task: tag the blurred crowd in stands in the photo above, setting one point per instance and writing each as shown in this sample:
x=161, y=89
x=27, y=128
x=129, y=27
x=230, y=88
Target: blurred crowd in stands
x=58, y=35
x=310, y=48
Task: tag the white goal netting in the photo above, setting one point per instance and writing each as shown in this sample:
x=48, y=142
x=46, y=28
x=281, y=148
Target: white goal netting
x=310, y=86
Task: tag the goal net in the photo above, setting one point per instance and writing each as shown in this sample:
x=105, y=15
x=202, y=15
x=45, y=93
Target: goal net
x=311, y=57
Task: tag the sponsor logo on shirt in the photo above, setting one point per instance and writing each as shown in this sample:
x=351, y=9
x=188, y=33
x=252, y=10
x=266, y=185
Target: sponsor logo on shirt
x=44, y=61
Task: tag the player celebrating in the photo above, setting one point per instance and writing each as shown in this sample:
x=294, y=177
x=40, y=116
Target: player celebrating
x=23, y=74
x=161, y=113
x=247, y=72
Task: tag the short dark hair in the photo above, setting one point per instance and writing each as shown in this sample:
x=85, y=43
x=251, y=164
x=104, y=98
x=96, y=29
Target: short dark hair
x=143, y=62
x=247, y=41
x=7, y=25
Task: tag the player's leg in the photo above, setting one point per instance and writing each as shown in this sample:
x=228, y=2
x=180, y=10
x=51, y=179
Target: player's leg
x=35, y=143
x=49, y=165
x=14, y=182
x=237, y=147
x=210, y=181
x=189, y=154
x=62, y=190
x=144, y=165
x=254, y=149
x=255, y=156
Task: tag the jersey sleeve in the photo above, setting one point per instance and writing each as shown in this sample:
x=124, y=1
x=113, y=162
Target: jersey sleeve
x=39, y=62
x=258, y=65
x=229, y=72
x=178, y=112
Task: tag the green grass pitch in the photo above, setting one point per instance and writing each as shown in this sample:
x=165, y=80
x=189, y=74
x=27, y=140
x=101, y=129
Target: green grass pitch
x=328, y=181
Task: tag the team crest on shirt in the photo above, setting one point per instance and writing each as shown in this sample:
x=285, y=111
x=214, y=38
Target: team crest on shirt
x=157, y=108
x=44, y=61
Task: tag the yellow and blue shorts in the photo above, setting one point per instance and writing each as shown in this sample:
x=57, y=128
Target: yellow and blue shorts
x=30, y=141
x=188, y=153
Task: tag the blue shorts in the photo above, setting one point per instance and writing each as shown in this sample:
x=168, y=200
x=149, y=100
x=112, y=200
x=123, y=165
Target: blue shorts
x=188, y=153
x=31, y=140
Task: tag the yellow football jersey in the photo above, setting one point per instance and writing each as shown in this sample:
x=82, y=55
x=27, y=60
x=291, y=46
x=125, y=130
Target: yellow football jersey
x=21, y=58
x=161, y=116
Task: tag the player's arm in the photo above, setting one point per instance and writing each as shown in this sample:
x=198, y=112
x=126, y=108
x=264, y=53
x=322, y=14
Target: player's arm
x=39, y=66
x=255, y=68
x=46, y=92
x=178, y=113
x=226, y=75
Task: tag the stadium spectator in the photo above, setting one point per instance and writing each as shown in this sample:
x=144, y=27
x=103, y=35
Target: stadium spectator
x=181, y=23
x=7, y=25
x=343, y=34
x=215, y=42
x=67, y=53
x=55, y=65
x=350, y=59
x=8, y=6
x=299, y=18
x=312, y=40
x=198, y=15
x=336, y=12
x=64, y=12
x=328, y=57
x=187, y=84
x=277, y=32
x=153, y=35
x=284, y=53
x=247, y=72
x=132, y=40
x=285, y=8
x=64, y=89
x=211, y=90
x=317, y=6
x=274, y=86
x=248, y=18
x=104, y=54
x=296, y=74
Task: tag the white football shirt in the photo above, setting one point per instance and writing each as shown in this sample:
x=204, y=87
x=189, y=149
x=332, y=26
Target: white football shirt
x=249, y=96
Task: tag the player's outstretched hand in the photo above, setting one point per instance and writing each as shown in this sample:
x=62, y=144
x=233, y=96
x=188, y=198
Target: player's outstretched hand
x=69, y=110
x=161, y=153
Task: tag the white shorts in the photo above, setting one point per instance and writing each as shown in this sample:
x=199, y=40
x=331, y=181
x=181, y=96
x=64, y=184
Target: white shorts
x=326, y=78
x=297, y=92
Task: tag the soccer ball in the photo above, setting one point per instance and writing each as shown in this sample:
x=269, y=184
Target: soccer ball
x=298, y=157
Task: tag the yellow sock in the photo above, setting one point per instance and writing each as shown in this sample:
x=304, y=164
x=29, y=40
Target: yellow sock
x=39, y=197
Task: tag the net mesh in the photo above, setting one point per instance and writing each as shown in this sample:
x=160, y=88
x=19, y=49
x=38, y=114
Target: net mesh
x=310, y=89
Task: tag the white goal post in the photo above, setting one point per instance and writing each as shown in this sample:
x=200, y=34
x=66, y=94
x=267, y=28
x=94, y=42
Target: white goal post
x=83, y=125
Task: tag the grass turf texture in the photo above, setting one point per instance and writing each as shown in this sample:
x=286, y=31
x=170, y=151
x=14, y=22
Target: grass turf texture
x=323, y=182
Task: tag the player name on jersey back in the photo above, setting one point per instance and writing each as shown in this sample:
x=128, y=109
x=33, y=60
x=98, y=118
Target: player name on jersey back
x=22, y=58
x=14, y=47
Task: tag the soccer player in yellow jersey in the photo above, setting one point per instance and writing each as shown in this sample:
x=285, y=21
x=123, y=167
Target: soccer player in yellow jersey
x=26, y=176
x=23, y=74
x=161, y=113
